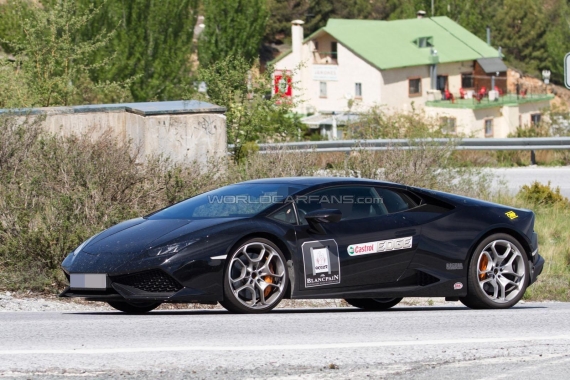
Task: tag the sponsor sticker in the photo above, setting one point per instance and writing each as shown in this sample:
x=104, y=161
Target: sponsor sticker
x=454, y=266
x=511, y=215
x=380, y=246
x=321, y=262
x=458, y=286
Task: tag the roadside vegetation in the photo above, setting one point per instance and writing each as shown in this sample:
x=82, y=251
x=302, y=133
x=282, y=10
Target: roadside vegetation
x=57, y=191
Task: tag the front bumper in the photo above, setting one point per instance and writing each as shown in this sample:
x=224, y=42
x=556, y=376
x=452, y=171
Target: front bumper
x=536, y=266
x=151, y=285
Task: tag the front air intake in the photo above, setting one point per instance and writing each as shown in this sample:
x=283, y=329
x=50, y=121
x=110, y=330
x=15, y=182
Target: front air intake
x=152, y=281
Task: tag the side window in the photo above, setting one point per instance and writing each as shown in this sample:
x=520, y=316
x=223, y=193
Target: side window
x=396, y=201
x=285, y=214
x=354, y=202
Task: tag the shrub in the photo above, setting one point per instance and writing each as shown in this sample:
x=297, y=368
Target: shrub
x=542, y=195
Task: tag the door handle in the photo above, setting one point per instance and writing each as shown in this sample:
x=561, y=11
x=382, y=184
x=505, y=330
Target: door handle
x=410, y=232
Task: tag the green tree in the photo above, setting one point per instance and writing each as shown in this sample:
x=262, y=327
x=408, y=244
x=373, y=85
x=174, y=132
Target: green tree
x=233, y=28
x=151, y=44
x=51, y=67
x=252, y=116
x=282, y=13
x=557, y=37
x=520, y=31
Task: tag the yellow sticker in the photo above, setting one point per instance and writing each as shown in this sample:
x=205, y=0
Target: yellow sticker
x=511, y=215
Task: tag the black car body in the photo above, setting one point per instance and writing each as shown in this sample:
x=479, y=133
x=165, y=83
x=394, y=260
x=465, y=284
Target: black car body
x=416, y=242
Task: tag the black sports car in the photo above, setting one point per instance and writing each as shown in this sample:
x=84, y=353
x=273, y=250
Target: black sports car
x=249, y=245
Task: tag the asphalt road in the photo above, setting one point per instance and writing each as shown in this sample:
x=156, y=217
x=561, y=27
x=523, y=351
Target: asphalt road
x=514, y=178
x=529, y=341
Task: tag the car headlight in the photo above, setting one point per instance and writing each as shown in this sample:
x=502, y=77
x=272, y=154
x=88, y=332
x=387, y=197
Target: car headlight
x=170, y=249
x=78, y=249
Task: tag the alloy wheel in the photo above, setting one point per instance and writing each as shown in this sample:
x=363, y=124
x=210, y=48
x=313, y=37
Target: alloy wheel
x=257, y=276
x=501, y=272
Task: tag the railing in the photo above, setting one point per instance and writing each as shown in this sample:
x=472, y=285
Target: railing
x=476, y=101
x=535, y=143
x=325, y=58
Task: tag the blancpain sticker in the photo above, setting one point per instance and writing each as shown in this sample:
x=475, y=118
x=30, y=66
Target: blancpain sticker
x=321, y=263
x=458, y=286
x=380, y=246
x=454, y=266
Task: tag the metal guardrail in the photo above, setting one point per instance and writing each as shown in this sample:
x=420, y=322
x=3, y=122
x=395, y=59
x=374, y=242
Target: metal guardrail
x=534, y=143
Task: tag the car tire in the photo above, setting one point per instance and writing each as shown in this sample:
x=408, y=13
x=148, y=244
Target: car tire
x=132, y=308
x=255, y=278
x=498, y=273
x=373, y=304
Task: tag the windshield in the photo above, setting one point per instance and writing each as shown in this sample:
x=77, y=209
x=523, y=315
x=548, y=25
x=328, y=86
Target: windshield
x=241, y=200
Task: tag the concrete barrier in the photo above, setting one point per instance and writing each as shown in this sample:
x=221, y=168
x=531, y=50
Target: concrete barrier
x=185, y=131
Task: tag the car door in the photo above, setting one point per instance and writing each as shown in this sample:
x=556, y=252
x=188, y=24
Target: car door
x=372, y=244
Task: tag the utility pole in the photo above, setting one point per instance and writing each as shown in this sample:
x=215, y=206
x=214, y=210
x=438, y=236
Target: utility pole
x=432, y=12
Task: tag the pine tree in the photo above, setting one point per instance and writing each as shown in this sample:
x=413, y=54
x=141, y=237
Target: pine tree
x=151, y=44
x=51, y=67
x=233, y=28
x=557, y=37
x=520, y=30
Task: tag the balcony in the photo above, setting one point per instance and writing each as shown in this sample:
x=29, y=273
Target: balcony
x=325, y=58
x=455, y=101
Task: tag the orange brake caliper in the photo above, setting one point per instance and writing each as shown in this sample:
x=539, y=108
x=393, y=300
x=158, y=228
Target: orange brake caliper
x=269, y=280
x=483, y=266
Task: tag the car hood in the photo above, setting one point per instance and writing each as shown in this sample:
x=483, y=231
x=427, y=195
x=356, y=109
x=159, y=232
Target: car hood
x=140, y=234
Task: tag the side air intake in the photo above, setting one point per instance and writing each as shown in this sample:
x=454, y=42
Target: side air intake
x=424, y=279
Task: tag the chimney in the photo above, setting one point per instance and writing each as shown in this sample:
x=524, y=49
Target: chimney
x=297, y=37
x=421, y=14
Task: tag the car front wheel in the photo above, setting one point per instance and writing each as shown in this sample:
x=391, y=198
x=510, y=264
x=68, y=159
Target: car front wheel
x=255, y=279
x=498, y=273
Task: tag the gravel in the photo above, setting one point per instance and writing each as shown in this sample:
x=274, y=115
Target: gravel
x=10, y=302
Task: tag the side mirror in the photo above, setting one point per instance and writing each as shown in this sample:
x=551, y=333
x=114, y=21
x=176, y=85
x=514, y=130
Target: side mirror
x=324, y=215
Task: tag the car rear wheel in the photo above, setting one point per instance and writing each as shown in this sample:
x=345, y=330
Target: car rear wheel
x=373, y=304
x=256, y=278
x=134, y=308
x=498, y=274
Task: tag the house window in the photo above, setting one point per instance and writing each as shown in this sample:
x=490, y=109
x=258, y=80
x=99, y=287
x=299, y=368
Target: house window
x=448, y=124
x=334, y=53
x=424, y=42
x=415, y=86
x=316, y=43
x=467, y=80
x=488, y=127
x=358, y=90
x=535, y=119
x=323, y=89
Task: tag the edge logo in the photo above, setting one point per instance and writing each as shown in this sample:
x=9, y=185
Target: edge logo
x=380, y=246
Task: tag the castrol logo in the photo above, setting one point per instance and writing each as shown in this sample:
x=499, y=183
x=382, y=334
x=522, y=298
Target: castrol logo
x=380, y=246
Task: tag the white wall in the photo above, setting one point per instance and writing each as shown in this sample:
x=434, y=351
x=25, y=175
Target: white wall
x=396, y=85
x=350, y=70
x=506, y=119
x=184, y=137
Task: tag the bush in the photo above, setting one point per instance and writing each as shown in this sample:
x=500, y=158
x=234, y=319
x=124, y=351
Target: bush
x=538, y=194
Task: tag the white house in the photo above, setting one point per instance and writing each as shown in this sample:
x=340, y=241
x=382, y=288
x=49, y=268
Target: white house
x=427, y=63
